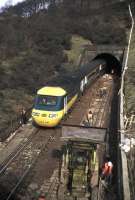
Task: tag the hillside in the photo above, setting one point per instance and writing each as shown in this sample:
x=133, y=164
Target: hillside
x=36, y=43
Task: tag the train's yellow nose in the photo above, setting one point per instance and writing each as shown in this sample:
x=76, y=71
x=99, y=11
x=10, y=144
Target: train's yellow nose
x=46, y=119
x=46, y=123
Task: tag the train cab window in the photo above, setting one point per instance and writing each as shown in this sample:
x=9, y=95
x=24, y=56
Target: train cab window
x=49, y=103
x=46, y=100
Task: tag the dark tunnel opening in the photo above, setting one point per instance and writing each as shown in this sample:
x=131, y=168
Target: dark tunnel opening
x=113, y=64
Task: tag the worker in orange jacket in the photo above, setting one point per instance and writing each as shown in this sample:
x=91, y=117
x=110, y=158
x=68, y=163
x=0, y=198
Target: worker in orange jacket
x=107, y=171
x=42, y=197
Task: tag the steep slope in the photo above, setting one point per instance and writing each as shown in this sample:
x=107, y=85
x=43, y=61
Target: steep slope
x=35, y=41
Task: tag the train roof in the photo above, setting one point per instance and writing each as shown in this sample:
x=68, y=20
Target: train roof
x=70, y=81
x=52, y=91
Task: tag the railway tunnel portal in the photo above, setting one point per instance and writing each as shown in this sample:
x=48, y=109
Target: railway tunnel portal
x=113, y=64
x=114, y=56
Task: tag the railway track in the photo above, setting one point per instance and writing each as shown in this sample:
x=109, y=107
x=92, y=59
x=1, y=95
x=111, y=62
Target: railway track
x=103, y=104
x=19, y=163
x=100, y=104
x=52, y=193
x=28, y=161
x=5, y=164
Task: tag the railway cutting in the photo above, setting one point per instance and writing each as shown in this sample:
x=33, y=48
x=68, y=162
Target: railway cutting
x=37, y=168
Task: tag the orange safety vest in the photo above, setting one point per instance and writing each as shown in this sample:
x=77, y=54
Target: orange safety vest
x=110, y=167
x=41, y=198
x=107, y=169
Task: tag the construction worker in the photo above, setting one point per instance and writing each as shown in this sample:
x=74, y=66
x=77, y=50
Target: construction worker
x=90, y=117
x=107, y=171
x=23, y=117
x=42, y=197
x=82, y=87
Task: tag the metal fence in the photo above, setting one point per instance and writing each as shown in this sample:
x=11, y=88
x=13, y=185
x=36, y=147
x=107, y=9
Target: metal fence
x=131, y=169
x=125, y=178
x=130, y=137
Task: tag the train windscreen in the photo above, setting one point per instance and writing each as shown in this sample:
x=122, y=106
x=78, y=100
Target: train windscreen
x=49, y=103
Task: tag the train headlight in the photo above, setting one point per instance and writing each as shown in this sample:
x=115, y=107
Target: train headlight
x=44, y=115
x=53, y=115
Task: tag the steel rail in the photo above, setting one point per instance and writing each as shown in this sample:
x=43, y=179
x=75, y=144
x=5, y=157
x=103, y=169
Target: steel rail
x=45, y=147
x=16, y=152
x=28, y=169
x=93, y=95
x=99, y=109
x=105, y=103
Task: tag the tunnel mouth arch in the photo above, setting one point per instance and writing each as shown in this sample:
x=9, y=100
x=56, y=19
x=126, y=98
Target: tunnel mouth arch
x=113, y=64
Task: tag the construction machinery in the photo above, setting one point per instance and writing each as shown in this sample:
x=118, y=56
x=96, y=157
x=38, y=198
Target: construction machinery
x=83, y=152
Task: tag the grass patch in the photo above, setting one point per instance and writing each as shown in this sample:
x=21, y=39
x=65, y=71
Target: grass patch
x=74, y=54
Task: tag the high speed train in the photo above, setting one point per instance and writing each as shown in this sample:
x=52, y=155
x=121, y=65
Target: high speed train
x=54, y=100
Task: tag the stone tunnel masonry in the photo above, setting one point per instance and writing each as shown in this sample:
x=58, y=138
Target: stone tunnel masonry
x=112, y=54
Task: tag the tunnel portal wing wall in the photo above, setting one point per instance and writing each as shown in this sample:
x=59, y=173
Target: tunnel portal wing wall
x=92, y=51
x=113, y=55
